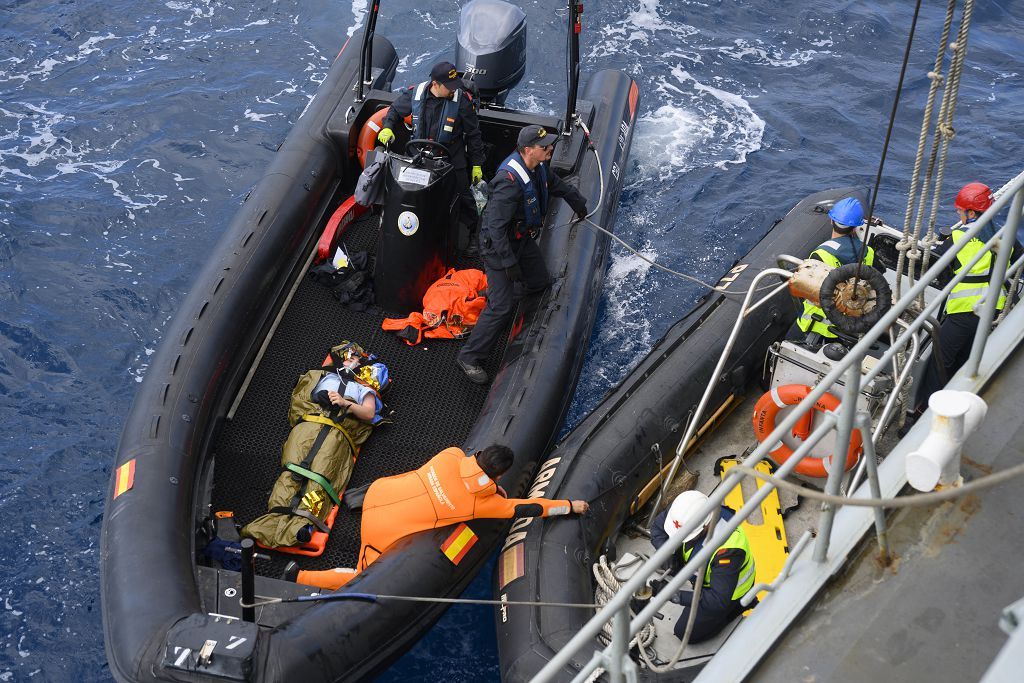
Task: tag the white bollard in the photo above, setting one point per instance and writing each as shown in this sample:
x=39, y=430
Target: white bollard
x=955, y=415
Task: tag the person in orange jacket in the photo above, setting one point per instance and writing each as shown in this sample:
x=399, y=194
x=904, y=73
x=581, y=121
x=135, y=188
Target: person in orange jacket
x=452, y=487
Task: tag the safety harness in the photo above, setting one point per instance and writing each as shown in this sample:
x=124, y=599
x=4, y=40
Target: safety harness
x=535, y=199
x=373, y=375
x=445, y=133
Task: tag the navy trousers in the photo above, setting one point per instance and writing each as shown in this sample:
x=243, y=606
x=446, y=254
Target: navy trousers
x=502, y=297
x=956, y=335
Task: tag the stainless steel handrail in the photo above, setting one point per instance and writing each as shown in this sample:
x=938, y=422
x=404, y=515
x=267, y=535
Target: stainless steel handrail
x=1013, y=190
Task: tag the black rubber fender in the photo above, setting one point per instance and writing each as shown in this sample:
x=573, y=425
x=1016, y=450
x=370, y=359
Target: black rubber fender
x=878, y=289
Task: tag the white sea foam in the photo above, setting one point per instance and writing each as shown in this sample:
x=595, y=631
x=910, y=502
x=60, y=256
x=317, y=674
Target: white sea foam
x=741, y=129
x=358, y=16
x=759, y=52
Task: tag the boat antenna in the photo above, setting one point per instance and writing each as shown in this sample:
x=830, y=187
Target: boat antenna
x=572, y=59
x=366, y=49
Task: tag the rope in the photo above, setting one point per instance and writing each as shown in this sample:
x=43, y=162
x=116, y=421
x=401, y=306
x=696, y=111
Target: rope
x=586, y=219
x=907, y=243
x=375, y=597
x=944, y=127
x=914, y=500
x=607, y=587
x=885, y=145
x=676, y=273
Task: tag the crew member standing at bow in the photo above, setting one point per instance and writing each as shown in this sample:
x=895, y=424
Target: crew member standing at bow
x=956, y=333
x=511, y=221
x=842, y=248
x=443, y=111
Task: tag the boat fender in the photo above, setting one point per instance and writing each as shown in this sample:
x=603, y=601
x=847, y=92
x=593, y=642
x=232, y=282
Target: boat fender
x=855, y=297
x=767, y=409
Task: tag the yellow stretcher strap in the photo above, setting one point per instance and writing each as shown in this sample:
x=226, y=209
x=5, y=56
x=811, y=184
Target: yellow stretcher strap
x=320, y=419
x=768, y=539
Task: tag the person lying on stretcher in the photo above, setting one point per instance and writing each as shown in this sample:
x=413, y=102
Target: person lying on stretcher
x=333, y=411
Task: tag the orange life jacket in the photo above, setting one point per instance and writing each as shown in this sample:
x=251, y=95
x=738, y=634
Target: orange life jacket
x=451, y=306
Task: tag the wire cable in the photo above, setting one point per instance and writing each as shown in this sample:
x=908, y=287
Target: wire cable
x=374, y=597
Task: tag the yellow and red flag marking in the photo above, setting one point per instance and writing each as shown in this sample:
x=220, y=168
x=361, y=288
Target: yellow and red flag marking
x=124, y=477
x=511, y=565
x=459, y=543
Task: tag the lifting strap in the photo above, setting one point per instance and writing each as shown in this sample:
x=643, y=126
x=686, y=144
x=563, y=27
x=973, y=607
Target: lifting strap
x=320, y=419
x=302, y=471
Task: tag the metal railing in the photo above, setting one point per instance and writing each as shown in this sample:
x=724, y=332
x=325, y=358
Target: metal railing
x=615, y=657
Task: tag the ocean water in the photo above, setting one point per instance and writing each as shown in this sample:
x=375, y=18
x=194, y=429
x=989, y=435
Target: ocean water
x=130, y=131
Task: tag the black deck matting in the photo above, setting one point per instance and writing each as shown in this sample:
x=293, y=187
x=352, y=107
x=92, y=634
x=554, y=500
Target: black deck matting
x=435, y=406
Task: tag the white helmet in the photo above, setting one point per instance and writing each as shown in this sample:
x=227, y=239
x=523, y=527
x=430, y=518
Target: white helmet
x=683, y=509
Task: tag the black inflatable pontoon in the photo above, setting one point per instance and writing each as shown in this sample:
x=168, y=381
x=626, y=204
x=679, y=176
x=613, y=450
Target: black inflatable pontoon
x=206, y=428
x=610, y=458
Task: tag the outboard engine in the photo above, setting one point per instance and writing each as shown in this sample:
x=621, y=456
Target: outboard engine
x=415, y=243
x=492, y=48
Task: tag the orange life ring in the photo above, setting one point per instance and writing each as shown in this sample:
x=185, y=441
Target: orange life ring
x=367, y=139
x=768, y=407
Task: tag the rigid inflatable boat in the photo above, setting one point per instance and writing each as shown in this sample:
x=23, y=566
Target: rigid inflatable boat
x=205, y=431
x=616, y=458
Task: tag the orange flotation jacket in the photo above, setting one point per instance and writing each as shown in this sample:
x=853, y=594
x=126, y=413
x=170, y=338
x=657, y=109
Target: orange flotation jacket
x=451, y=307
x=450, y=488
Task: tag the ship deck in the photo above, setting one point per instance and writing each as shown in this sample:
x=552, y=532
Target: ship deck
x=933, y=614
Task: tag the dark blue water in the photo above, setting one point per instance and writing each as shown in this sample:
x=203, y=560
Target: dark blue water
x=130, y=131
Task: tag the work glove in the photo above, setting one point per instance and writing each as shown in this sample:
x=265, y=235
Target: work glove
x=514, y=273
x=476, y=175
x=385, y=136
x=581, y=212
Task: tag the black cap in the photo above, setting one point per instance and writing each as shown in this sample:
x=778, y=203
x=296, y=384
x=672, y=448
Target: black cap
x=445, y=74
x=536, y=136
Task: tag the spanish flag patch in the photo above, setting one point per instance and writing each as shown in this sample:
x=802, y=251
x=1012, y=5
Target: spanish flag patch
x=511, y=565
x=459, y=543
x=124, y=477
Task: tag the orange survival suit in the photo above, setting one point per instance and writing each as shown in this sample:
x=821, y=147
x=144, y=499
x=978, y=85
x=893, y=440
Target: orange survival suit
x=451, y=307
x=450, y=488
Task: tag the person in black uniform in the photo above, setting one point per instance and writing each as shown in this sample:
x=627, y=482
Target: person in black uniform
x=443, y=111
x=511, y=221
x=730, y=573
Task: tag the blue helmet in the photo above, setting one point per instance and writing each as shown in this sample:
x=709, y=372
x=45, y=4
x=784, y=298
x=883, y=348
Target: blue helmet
x=847, y=212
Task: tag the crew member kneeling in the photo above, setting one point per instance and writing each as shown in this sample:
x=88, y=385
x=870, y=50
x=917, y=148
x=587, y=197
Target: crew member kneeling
x=730, y=573
x=452, y=487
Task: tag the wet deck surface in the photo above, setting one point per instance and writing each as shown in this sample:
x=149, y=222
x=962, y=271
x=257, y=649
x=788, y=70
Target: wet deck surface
x=933, y=615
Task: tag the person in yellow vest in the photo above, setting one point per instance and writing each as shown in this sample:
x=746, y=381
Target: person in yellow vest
x=452, y=487
x=842, y=248
x=956, y=333
x=730, y=573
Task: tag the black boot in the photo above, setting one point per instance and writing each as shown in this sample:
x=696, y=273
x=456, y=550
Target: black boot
x=291, y=571
x=472, y=249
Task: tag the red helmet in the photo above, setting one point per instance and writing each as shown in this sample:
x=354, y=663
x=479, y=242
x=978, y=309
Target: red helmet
x=973, y=197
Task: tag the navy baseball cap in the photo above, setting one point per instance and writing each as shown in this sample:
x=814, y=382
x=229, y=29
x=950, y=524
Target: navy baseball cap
x=446, y=74
x=536, y=136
